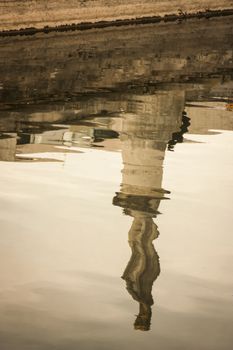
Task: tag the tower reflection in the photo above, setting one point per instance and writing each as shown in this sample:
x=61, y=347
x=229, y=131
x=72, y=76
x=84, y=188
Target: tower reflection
x=148, y=125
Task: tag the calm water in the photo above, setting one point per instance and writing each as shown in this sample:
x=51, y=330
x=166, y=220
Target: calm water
x=116, y=189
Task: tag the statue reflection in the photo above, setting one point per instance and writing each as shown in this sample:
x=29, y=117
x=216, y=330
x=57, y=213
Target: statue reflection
x=143, y=267
x=147, y=126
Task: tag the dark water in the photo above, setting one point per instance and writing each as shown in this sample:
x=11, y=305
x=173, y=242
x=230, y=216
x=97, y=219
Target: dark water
x=109, y=137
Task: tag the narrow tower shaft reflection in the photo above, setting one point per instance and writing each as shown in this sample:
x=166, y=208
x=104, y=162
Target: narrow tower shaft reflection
x=148, y=125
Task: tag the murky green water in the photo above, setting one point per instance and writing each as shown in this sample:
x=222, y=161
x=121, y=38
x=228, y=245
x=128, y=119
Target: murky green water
x=116, y=190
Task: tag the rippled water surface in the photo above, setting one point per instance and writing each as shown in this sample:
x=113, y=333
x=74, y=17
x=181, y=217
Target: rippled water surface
x=116, y=189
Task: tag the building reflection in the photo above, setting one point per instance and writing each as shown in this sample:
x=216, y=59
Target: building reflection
x=98, y=122
x=147, y=127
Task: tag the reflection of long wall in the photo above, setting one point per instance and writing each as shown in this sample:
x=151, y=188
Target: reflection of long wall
x=136, y=117
x=132, y=116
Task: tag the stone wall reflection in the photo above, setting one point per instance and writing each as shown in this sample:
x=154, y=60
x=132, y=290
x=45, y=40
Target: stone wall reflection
x=148, y=125
x=60, y=67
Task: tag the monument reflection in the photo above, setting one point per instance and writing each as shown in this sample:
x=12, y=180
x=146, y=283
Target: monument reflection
x=147, y=127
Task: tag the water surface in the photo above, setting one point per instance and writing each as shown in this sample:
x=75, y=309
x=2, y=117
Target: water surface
x=116, y=191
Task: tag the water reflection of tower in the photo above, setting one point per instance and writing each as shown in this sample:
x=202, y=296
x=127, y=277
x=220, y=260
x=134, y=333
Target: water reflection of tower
x=147, y=126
